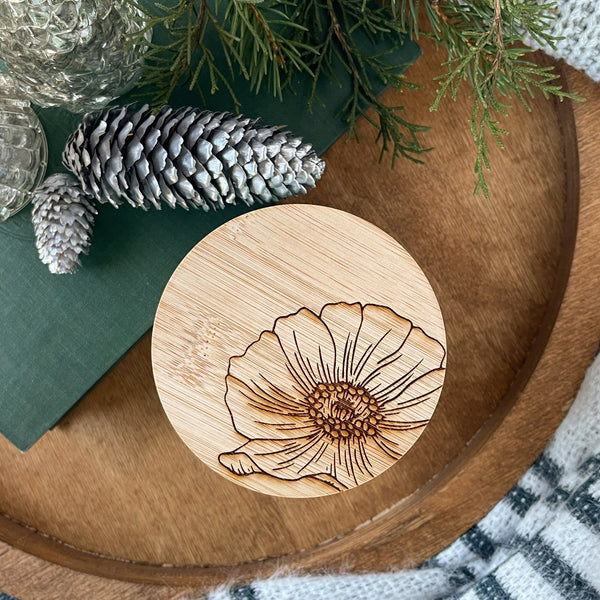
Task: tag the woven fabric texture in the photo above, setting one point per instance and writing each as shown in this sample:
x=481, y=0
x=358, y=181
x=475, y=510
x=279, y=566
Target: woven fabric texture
x=542, y=541
x=578, y=24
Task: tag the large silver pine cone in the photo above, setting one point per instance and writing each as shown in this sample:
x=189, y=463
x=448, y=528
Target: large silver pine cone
x=187, y=157
x=62, y=219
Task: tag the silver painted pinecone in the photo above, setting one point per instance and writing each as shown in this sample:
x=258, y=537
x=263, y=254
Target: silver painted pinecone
x=62, y=219
x=187, y=157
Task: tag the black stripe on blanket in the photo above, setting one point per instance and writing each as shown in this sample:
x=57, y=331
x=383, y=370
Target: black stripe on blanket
x=558, y=496
x=461, y=576
x=556, y=571
x=245, y=592
x=545, y=467
x=591, y=465
x=521, y=500
x=490, y=589
x=585, y=507
x=479, y=543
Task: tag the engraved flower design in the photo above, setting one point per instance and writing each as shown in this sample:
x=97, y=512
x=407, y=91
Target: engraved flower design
x=339, y=396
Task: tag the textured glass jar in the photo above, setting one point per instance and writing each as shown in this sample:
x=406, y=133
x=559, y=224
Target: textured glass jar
x=23, y=150
x=72, y=53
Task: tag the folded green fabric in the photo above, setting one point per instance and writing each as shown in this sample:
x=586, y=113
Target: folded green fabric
x=60, y=334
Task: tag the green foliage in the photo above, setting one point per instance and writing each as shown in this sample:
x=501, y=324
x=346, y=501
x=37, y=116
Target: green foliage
x=336, y=27
x=483, y=40
x=268, y=41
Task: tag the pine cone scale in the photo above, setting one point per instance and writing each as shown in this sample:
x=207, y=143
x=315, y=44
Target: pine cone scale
x=133, y=152
x=151, y=191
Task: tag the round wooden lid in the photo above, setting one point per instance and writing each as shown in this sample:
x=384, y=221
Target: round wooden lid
x=299, y=350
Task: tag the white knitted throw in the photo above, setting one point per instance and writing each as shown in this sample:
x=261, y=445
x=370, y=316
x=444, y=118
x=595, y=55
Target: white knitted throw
x=541, y=542
x=578, y=23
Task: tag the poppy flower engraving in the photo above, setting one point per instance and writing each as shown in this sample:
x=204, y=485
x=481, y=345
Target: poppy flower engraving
x=339, y=396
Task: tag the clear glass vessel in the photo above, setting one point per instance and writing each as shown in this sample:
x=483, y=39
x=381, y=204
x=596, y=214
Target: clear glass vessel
x=72, y=53
x=23, y=150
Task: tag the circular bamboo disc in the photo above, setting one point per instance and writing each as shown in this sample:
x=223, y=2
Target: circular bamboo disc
x=299, y=351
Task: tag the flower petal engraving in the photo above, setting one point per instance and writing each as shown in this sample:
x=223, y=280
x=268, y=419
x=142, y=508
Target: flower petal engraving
x=417, y=355
x=264, y=399
x=308, y=347
x=425, y=389
x=382, y=333
x=338, y=396
x=291, y=459
x=343, y=322
x=239, y=463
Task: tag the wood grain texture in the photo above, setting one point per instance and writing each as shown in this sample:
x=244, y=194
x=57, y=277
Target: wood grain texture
x=100, y=481
x=299, y=351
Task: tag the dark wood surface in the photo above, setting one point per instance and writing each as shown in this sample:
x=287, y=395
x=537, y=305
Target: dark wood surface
x=112, y=491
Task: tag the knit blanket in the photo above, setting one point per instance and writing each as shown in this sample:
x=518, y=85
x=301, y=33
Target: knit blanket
x=540, y=542
x=577, y=27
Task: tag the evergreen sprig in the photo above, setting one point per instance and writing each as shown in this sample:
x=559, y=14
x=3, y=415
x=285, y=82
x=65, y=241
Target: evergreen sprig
x=268, y=41
x=335, y=35
x=186, y=54
x=484, y=43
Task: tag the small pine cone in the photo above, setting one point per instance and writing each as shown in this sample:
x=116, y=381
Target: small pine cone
x=62, y=219
x=187, y=157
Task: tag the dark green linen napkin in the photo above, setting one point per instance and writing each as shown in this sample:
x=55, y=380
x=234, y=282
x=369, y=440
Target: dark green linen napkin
x=60, y=333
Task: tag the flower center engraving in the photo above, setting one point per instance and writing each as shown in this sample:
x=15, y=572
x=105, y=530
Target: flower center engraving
x=343, y=410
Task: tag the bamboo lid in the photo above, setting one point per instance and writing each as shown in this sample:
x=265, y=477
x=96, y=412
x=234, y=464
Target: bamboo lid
x=299, y=350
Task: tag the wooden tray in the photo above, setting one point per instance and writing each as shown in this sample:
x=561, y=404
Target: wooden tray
x=112, y=491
